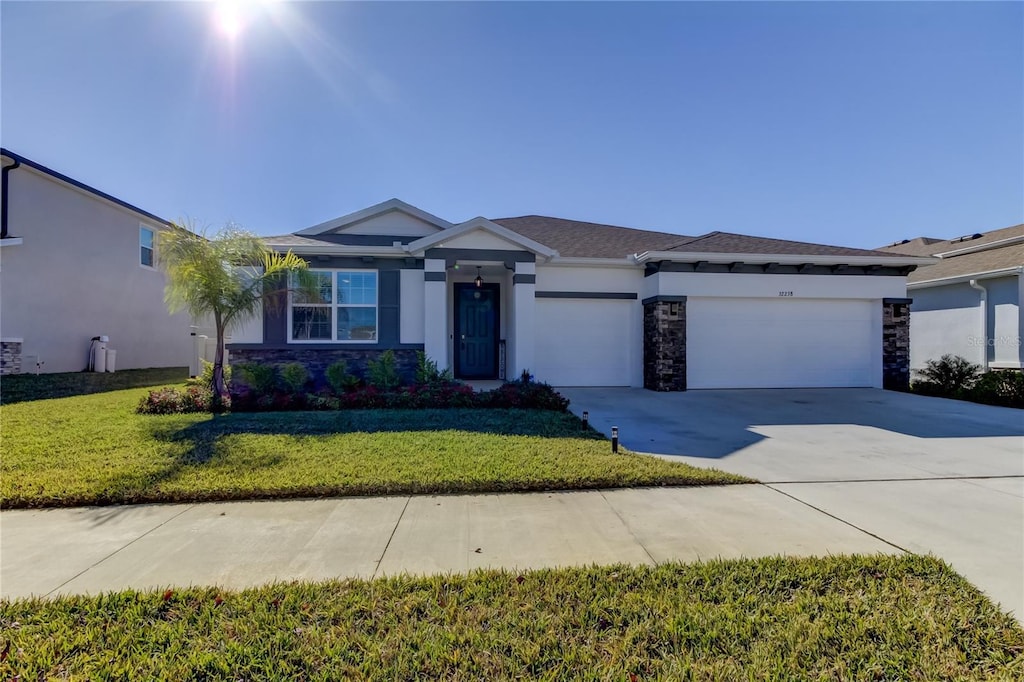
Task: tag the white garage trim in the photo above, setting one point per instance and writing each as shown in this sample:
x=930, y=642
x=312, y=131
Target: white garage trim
x=587, y=342
x=783, y=343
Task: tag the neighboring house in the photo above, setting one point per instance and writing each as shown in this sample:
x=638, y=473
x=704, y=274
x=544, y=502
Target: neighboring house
x=76, y=263
x=581, y=304
x=968, y=304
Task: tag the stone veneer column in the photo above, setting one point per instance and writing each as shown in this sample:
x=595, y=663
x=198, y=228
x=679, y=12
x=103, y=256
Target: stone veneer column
x=896, y=343
x=10, y=356
x=665, y=343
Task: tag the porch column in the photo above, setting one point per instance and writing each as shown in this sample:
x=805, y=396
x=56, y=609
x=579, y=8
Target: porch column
x=524, y=288
x=896, y=343
x=665, y=343
x=435, y=311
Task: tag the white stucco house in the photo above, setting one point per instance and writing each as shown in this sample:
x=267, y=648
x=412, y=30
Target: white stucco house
x=968, y=304
x=584, y=304
x=77, y=263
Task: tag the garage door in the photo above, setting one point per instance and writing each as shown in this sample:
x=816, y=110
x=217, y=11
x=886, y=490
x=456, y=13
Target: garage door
x=781, y=343
x=584, y=342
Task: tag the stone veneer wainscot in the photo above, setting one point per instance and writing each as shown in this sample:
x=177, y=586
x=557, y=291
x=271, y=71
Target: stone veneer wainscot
x=317, y=360
x=10, y=356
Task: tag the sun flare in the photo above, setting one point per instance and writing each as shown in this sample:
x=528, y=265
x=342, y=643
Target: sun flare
x=232, y=17
x=227, y=19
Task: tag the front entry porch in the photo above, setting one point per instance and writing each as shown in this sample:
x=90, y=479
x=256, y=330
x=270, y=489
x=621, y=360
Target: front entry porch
x=477, y=330
x=486, y=331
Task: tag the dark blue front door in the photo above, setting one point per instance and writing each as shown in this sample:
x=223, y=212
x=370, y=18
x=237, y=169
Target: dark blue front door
x=476, y=331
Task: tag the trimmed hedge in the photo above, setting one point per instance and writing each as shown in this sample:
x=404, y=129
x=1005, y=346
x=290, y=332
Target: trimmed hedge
x=266, y=396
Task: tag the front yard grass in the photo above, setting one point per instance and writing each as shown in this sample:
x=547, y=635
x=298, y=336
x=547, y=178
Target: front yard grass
x=95, y=450
x=836, y=618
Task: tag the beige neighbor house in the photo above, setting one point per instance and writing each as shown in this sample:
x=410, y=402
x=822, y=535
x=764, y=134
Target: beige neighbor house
x=77, y=263
x=968, y=304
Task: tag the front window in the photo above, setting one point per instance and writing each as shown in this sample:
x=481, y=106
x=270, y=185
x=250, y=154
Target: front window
x=345, y=309
x=146, y=246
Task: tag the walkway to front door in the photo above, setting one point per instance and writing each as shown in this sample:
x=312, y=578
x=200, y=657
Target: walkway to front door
x=476, y=331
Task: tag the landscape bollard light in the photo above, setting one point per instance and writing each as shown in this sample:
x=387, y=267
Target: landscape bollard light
x=586, y=419
x=615, y=440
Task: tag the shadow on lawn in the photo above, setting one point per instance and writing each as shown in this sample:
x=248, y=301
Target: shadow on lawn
x=203, y=441
x=544, y=423
x=19, y=388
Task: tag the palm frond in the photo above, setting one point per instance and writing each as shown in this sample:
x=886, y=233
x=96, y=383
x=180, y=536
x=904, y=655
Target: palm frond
x=230, y=276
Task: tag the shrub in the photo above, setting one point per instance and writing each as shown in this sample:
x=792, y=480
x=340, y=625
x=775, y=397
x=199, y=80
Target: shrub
x=205, y=377
x=170, y=400
x=999, y=387
x=427, y=372
x=321, y=402
x=294, y=376
x=526, y=394
x=947, y=376
x=260, y=379
x=383, y=372
x=515, y=394
x=339, y=379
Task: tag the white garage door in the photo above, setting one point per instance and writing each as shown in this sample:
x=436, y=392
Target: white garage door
x=782, y=343
x=584, y=342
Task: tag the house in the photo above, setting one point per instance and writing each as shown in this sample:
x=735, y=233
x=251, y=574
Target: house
x=583, y=304
x=968, y=304
x=77, y=263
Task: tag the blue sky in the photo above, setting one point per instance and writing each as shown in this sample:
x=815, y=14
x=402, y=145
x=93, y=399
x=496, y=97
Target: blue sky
x=846, y=123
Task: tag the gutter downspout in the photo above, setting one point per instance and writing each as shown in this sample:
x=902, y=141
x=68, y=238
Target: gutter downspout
x=1020, y=316
x=984, y=322
x=4, y=197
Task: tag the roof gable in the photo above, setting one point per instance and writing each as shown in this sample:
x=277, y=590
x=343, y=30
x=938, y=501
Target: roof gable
x=393, y=217
x=480, y=233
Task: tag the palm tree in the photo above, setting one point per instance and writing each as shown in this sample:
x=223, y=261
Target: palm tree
x=230, y=277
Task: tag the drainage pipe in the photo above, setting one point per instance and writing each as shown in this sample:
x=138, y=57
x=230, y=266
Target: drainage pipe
x=4, y=198
x=984, y=322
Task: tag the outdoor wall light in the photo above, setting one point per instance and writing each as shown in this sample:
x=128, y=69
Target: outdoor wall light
x=479, y=281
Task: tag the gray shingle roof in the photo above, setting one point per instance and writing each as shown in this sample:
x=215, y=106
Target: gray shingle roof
x=576, y=238
x=919, y=246
x=971, y=264
x=729, y=242
x=996, y=258
x=580, y=239
x=294, y=240
x=926, y=246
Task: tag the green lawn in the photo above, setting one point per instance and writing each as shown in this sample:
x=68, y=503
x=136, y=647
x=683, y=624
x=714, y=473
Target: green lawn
x=95, y=450
x=21, y=387
x=837, y=618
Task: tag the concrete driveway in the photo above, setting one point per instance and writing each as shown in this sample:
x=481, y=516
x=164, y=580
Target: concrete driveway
x=925, y=474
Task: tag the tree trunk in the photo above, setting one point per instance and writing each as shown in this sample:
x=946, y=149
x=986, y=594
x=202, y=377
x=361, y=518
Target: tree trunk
x=219, y=390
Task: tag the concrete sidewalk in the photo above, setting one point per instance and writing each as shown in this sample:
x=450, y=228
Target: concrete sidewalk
x=240, y=544
x=928, y=475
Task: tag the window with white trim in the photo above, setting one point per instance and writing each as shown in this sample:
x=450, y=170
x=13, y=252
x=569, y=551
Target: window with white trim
x=146, y=249
x=345, y=311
